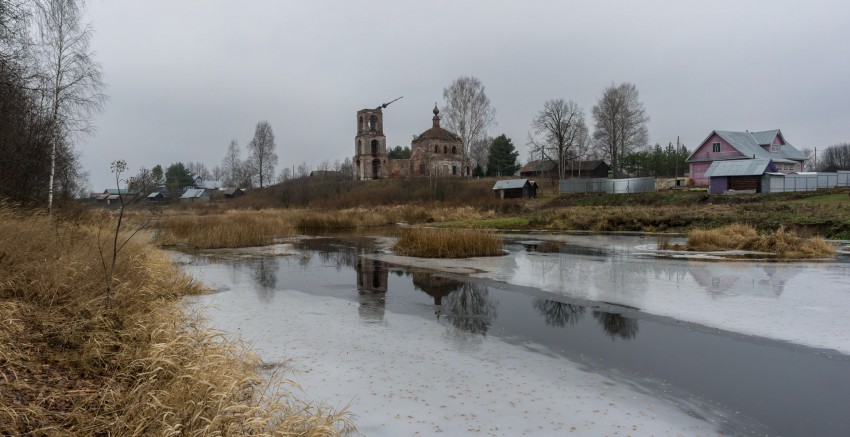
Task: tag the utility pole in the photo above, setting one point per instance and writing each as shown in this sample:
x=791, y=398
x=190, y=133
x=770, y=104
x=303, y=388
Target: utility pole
x=676, y=158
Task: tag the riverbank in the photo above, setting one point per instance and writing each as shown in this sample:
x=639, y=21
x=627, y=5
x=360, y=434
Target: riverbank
x=73, y=362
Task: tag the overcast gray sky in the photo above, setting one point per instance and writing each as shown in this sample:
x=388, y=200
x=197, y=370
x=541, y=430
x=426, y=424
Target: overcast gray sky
x=186, y=77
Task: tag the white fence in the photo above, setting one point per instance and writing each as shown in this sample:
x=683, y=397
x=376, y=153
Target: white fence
x=777, y=183
x=842, y=178
x=827, y=180
x=611, y=186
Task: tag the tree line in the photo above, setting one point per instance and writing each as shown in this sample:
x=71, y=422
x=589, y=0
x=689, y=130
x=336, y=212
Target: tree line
x=559, y=131
x=50, y=89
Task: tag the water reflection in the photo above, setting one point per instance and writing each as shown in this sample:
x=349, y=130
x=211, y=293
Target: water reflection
x=470, y=310
x=560, y=314
x=372, y=279
x=581, y=274
x=617, y=326
x=265, y=273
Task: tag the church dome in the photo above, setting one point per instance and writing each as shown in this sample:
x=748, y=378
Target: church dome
x=436, y=132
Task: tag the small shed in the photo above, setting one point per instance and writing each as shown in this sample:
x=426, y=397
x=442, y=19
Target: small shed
x=195, y=195
x=515, y=189
x=232, y=193
x=156, y=196
x=738, y=175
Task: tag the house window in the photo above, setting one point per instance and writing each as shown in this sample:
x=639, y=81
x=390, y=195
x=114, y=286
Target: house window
x=774, y=148
x=715, y=147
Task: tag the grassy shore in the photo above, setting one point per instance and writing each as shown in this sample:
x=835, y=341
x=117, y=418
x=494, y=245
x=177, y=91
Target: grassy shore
x=70, y=365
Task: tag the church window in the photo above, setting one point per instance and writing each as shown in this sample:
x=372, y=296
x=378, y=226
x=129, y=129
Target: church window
x=423, y=169
x=373, y=123
x=445, y=149
x=454, y=150
x=374, y=147
x=436, y=150
x=454, y=169
x=360, y=125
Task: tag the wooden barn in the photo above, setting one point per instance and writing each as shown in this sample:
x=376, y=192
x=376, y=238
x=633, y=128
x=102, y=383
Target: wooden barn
x=742, y=175
x=516, y=189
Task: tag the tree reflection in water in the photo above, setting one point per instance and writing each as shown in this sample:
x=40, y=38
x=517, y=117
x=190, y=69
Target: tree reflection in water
x=470, y=311
x=265, y=273
x=560, y=314
x=557, y=313
x=617, y=326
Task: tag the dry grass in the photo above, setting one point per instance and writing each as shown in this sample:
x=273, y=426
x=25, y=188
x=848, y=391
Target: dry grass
x=203, y=229
x=783, y=243
x=70, y=366
x=448, y=243
x=734, y=236
x=228, y=229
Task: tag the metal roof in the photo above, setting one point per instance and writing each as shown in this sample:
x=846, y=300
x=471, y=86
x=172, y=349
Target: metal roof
x=192, y=193
x=739, y=167
x=750, y=144
x=510, y=183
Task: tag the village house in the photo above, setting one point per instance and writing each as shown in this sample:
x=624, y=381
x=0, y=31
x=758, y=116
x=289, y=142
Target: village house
x=723, y=146
x=193, y=195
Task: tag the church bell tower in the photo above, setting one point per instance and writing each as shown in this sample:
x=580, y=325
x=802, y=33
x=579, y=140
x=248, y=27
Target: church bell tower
x=370, y=144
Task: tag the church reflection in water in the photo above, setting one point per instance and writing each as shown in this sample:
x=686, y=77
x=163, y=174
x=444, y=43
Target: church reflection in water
x=372, y=279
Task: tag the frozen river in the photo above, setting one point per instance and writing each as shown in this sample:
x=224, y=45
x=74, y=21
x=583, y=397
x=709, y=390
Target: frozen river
x=595, y=337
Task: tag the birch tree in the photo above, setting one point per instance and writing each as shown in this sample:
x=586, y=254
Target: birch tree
x=560, y=134
x=467, y=112
x=72, y=79
x=262, y=158
x=619, y=123
x=232, y=165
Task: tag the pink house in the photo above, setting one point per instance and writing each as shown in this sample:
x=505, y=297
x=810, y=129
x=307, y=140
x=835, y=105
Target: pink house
x=727, y=146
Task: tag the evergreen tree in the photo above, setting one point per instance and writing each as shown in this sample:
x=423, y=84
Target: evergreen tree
x=399, y=152
x=477, y=172
x=176, y=177
x=502, y=161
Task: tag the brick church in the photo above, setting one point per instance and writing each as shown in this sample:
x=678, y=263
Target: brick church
x=435, y=152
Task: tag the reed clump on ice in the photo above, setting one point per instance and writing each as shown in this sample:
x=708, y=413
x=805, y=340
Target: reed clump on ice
x=783, y=243
x=448, y=243
x=70, y=365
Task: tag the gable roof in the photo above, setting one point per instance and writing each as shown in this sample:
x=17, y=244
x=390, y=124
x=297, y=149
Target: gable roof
x=509, y=184
x=750, y=145
x=193, y=193
x=738, y=167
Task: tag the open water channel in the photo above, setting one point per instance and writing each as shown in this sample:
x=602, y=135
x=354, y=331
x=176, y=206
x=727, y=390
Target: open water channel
x=592, y=335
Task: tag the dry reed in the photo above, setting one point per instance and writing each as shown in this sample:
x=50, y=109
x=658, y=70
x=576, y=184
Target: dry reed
x=448, y=243
x=783, y=243
x=69, y=365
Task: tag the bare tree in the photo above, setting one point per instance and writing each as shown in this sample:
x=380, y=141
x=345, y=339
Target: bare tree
x=559, y=133
x=262, y=158
x=835, y=157
x=198, y=169
x=810, y=164
x=324, y=166
x=72, y=80
x=141, y=182
x=232, y=164
x=479, y=151
x=346, y=168
x=303, y=170
x=467, y=112
x=619, y=123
